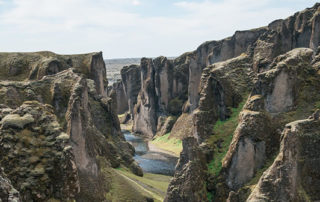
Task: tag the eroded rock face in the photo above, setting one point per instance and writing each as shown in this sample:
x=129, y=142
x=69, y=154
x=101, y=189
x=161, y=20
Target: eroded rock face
x=248, y=149
x=188, y=182
x=121, y=98
x=159, y=95
x=223, y=86
x=264, y=44
x=145, y=111
x=47, y=170
x=131, y=81
x=283, y=90
x=7, y=192
x=296, y=31
x=24, y=66
x=276, y=98
x=294, y=175
x=86, y=118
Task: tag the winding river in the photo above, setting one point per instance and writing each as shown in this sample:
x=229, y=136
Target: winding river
x=151, y=161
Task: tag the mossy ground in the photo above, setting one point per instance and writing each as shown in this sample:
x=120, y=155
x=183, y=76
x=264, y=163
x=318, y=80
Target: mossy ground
x=154, y=182
x=171, y=144
x=122, y=185
x=126, y=186
x=221, y=139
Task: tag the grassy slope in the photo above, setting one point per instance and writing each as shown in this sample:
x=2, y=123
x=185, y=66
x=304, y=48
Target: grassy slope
x=125, y=186
x=169, y=144
x=155, y=183
x=223, y=132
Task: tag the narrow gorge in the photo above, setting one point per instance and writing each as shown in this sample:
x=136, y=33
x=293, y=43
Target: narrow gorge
x=234, y=120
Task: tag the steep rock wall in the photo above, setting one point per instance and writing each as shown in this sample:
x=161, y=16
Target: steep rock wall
x=131, y=81
x=294, y=175
x=86, y=116
x=279, y=95
x=262, y=45
x=163, y=90
x=121, y=97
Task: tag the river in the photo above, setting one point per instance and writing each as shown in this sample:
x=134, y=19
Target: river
x=151, y=161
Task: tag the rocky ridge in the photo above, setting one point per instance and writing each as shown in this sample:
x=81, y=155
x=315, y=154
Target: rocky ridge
x=268, y=75
x=58, y=105
x=175, y=84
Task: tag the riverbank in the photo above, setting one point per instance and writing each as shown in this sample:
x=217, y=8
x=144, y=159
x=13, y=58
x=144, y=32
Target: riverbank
x=156, y=148
x=150, y=158
x=171, y=146
x=153, y=184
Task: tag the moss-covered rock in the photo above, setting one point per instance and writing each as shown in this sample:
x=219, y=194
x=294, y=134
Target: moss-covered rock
x=85, y=118
x=47, y=169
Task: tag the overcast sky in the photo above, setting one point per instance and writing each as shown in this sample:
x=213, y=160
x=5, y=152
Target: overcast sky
x=131, y=28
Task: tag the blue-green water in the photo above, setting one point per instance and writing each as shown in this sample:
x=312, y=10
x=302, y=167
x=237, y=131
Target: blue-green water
x=149, y=161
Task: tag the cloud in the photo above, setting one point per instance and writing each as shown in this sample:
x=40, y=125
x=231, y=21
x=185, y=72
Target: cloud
x=136, y=2
x=122, y=29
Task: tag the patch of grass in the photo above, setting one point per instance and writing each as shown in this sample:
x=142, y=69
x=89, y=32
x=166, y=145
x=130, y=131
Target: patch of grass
x=172, y=144
x=155, y=181
x=120, y=187
x=209, y=196
x=221, y=139
x=121, y=115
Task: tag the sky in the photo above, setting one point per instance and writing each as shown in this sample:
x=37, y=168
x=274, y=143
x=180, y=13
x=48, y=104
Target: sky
x=131, y=28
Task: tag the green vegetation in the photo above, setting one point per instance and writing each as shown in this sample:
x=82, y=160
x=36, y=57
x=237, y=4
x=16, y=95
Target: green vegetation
x=172, y=144
x=122, y=186
x=157, y=183
x=209, y=196
x=221, y=139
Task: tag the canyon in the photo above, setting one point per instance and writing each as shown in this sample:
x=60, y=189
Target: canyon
x=241, y=116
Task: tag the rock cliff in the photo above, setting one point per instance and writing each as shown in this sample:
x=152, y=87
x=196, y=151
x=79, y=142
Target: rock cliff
x=131, y=81
x=281, y=89
x=66, y=126
x=179, y=91
x=121, y=97
x=285, y=93
x=294, y=175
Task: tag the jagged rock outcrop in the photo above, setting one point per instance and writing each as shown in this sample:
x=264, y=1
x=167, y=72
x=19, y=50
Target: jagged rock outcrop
x=188, y=183
x=223, y=86
x=283, y=90
x=294, y=175
x=159, y=95
x=121, y=98
x=31, y=66
x=47, y=169
x=165, y=124
x=261, y=45
x=256, y=139
x=278, y=97
x=76, y=96
x=131, y=81
x=163, y=92
x=145, y=111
